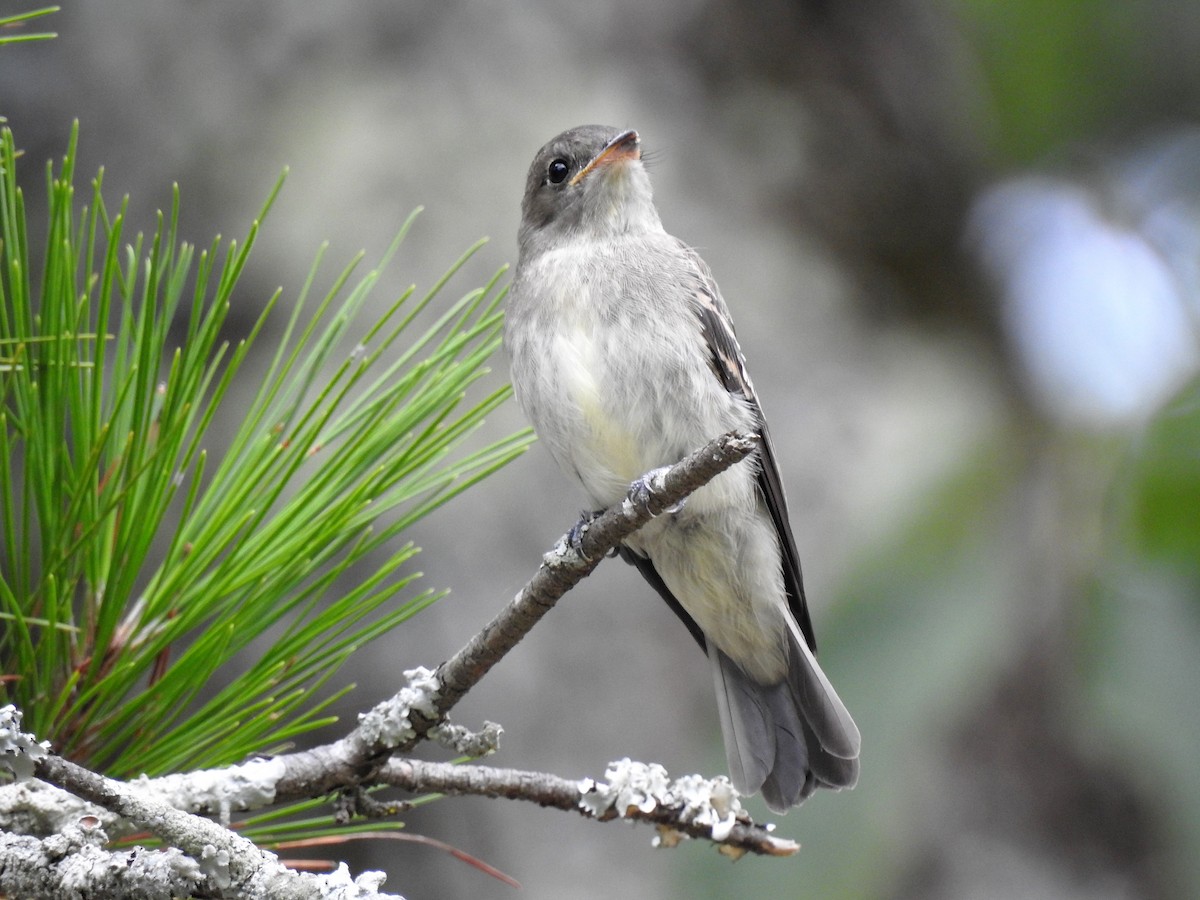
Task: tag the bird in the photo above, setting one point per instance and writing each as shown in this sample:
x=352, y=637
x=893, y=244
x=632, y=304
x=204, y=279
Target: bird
x=624, y=358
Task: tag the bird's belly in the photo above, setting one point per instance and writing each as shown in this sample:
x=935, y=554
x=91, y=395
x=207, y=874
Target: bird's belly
x=619, y=414
x=607, y=440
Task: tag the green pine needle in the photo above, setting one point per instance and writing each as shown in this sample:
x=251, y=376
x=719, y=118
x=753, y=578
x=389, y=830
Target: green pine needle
x=137, y=565
x=11, y=33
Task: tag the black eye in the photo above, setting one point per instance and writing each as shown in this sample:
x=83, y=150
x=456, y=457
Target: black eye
x=558, y=171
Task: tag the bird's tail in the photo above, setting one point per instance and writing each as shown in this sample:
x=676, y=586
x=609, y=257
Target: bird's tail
x=785, y=739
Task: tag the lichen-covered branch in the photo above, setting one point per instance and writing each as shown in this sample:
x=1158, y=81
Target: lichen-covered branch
x=226, y=864
x=708, y=809
x=55, y=866
x=74, y=864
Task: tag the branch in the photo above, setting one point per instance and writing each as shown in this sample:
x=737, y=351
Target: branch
x=687, y=807
x=690, y=806
x=221, y=864
x=59, y=866
x=563, y=568
x=399, y=723
x=232, y=865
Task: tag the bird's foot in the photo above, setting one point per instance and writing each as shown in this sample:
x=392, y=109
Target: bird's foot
x=643, y=489
x=580, y=528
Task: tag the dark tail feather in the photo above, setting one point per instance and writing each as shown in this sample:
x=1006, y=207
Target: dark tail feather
x=785, y=739
x=746, y=723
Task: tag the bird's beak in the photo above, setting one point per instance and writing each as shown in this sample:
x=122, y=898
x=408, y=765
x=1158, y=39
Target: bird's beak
x=625, y=145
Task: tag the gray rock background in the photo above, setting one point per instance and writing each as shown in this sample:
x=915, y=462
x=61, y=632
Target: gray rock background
x=834, y=163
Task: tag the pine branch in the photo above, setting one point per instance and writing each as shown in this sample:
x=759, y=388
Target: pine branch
x=54, y=866
x=688, y=807
x=229, y=865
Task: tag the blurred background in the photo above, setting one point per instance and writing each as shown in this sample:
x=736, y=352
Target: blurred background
x=961, y=241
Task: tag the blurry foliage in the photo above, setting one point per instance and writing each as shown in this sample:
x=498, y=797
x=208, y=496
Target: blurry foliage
x=1056, y=72
x=1140, y=633
x=1164, y=487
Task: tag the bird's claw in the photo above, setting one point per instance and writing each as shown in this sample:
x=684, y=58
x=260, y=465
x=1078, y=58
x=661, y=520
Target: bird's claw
x=644, y=487
x=580, y=528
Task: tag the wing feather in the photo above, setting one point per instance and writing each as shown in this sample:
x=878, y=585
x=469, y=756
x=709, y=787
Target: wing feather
x=729, y=365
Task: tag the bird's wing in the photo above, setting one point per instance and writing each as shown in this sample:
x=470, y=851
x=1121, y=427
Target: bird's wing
x=729, y=365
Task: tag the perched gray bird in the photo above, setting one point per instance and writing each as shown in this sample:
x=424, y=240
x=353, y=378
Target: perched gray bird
x=624, y=358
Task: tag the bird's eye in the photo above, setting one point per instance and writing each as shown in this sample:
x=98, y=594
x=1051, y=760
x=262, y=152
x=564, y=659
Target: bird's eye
x=558, y=171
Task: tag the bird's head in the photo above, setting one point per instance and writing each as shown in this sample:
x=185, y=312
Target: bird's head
x=586, y=183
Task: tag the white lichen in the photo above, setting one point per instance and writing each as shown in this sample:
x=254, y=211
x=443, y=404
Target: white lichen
x=18, y=750
x=219, y=792
x=214, y=863
x=389, y=724
x=339, y=885
x=708, y=801
x=635, y=787
x=460, y=739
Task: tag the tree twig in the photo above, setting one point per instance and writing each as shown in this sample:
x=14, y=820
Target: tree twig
x=227, y=864
x=691, y=807
x=233, y=866
x=564, y=568
x=55, y=866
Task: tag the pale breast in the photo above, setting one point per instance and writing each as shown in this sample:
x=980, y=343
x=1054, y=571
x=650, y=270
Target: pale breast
x=612, y=368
